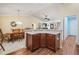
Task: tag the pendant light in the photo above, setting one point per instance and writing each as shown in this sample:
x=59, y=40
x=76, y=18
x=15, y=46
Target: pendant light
x=19, y=22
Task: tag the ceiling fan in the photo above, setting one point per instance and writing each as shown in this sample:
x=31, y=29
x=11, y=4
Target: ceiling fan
x=46, y=18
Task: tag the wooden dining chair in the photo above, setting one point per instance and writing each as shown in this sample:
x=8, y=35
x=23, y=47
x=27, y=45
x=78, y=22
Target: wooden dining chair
x=1, y=39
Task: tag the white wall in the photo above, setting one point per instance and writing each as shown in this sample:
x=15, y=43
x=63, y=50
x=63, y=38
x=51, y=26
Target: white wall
x=6, y=20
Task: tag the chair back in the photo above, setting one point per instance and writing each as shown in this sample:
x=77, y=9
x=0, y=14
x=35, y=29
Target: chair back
x=1, y=36
x=17, y=30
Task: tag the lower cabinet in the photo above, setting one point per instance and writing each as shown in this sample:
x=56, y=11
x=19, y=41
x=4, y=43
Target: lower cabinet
x=50, y=41
x=53, y=42
x=36, y=41
x=33, y=41
x=43, y=40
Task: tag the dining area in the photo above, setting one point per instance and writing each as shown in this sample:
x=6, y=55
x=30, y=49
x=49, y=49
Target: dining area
x=11, y=41
x=16, y=34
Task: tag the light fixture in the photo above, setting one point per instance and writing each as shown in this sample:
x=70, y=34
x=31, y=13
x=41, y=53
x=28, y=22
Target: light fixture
x=18, y=12
x=19, y=22
x=16, y=23
x=46, y=18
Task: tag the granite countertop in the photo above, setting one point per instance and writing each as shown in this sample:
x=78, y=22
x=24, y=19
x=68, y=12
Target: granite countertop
x=44, y=31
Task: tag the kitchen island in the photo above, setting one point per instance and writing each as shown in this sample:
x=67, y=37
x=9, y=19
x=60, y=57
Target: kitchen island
x=43, y=39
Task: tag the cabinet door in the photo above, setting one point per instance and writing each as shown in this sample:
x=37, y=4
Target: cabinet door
x=50, y=41
x=36, y=41
x=43, y=40
x=29, y=41
x=57, y=42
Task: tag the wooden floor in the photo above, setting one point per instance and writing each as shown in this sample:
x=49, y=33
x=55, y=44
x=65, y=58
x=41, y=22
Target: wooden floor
x=69, y=48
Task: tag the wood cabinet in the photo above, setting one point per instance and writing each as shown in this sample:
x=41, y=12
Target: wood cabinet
x=36, y=41
x=50, y=41
x=43, y=40
x=53, y=41
x=33, y=41
x=57, y=42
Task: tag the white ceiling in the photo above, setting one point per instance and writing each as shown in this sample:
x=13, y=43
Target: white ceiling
x=35, y=9
x=25, y=8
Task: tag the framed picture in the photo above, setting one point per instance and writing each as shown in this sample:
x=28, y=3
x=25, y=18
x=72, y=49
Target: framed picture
x=44, y=26
x=13, y=24
x=51, y=26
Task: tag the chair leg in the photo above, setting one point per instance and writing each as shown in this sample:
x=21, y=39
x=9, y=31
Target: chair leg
x=2, y=47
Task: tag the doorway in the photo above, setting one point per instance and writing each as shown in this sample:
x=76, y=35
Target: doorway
x=70, y=26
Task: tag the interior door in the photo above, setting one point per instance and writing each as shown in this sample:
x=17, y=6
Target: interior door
x=73, y=27
x=70, y=26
